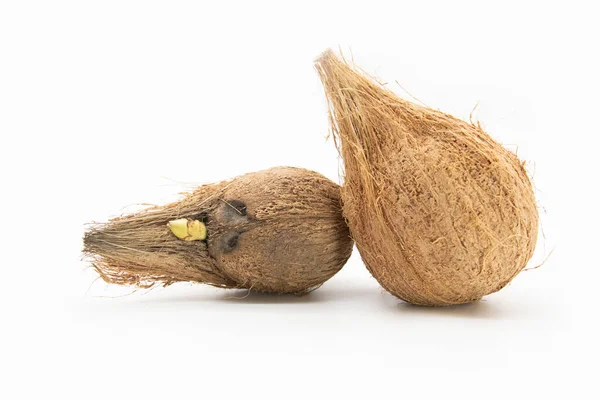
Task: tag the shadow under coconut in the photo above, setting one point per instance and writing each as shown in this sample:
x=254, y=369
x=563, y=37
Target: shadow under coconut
x=482, y=309
x=252, y=297
x=479, y=309
x=244, y=296
x=240, y=296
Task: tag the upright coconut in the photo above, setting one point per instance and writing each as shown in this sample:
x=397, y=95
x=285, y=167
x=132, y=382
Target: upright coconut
x=441, y=213
x=279, y=230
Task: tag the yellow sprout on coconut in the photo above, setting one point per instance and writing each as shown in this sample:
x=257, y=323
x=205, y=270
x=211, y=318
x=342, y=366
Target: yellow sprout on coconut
x=187, y=229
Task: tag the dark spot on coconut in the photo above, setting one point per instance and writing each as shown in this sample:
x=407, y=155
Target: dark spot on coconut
x=203, y=217
x=234, y=211
x=229, y=241
x=238, y=205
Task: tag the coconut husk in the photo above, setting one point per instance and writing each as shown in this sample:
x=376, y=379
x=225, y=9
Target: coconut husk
x=441, y=213
x=279, y=230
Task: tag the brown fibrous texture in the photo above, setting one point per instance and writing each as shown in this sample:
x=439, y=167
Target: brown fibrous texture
x=441, y=213
x=280, y=230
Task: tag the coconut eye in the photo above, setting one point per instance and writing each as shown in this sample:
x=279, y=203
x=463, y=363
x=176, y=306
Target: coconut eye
x=233, y=211
x=229, y=241
x=237, y=206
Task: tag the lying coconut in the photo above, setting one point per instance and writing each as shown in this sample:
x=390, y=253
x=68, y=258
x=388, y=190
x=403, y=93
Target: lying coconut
x=440, y=212
x=279, y=230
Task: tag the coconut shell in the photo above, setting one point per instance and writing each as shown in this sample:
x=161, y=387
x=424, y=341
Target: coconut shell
x=279, y=230
x=441, y=213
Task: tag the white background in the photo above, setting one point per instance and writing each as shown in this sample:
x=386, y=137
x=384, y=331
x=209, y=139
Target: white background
x=101, y=101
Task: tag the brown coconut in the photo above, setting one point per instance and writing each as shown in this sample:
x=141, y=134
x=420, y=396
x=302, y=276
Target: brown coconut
x=279, y=230
x=441, y=213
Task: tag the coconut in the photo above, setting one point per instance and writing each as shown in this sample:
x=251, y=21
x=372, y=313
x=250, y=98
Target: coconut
x=279, y=230
x=441, y=213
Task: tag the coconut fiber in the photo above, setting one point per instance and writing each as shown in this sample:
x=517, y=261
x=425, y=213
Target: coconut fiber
x=441, y=213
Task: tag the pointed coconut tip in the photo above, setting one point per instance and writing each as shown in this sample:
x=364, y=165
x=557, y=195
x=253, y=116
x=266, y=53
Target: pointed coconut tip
x=326, y=54
x=336, y=73
x=362, y=110
x=334, y=69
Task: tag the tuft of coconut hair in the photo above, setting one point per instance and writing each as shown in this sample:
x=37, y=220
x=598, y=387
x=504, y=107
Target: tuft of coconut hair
x=140, y=250
x=440, y=212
